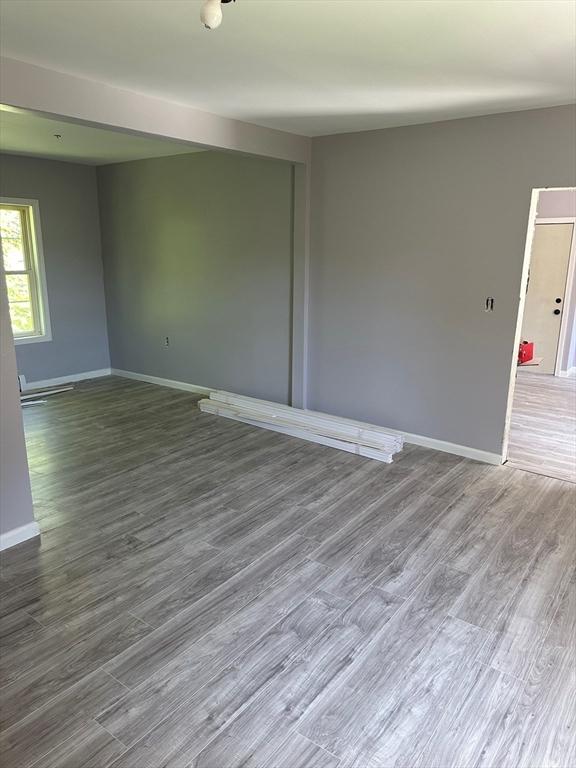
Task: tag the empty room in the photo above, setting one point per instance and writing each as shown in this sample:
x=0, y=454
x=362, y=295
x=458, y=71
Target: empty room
x=288, y=384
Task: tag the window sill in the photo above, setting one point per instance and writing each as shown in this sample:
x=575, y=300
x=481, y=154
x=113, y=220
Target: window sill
x=32, y=339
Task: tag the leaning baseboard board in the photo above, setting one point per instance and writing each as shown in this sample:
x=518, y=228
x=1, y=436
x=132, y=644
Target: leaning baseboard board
x=426, y=442
x=183, y=385
x=18, y=535
x=312, y=437
x=66, y=379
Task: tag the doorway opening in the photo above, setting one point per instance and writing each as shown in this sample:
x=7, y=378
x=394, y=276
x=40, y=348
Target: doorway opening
x=541, y=420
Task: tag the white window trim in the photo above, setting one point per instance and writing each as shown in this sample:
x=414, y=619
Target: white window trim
x=38, y=256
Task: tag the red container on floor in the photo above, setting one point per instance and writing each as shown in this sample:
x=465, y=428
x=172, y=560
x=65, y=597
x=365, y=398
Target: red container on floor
x=526, y=352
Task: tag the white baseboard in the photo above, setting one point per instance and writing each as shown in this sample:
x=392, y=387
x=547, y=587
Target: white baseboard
x=457, y=450
x=18, y=535
x=570, y=373
x=426, y=442
x=66, y=379
x=183, y=385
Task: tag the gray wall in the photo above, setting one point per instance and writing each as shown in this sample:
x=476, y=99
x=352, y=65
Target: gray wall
x=412, y=228
x=15, y=494
x=198, y=248
x=67, y=196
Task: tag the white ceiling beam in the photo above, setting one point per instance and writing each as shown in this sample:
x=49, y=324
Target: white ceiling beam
x=26, y=86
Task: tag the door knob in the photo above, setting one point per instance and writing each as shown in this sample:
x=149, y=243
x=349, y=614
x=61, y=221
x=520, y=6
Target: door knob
x=556, y=311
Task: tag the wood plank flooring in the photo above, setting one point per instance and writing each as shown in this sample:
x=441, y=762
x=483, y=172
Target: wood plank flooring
x=209, y=595
x=543, y=426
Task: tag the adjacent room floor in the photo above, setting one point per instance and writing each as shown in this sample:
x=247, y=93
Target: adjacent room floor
x=213, y=595
x=543, y=427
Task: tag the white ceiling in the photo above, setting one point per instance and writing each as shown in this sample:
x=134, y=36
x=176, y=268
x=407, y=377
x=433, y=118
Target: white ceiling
x=24, y=133
x=312, y=66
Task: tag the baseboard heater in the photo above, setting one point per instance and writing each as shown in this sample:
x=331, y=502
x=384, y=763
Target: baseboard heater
x=356, y=437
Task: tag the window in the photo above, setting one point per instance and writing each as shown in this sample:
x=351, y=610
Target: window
x=24, y=270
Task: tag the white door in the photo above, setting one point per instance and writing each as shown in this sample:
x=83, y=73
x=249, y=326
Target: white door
x=546, y=289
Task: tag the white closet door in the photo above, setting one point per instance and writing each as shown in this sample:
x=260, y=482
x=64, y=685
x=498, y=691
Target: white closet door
x=546, y=292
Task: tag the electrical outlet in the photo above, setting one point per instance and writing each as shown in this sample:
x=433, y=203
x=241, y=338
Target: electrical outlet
x=167, y=341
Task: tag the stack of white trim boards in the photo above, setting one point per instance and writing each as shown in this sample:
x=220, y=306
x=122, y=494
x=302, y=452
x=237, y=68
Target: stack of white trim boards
x=353, y=436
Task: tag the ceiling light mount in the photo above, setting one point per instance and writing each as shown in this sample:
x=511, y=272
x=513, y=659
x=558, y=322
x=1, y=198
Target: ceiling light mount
x=211, y=13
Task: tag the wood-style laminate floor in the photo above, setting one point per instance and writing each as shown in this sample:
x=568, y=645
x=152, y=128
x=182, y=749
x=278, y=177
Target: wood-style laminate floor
x=543, y=425
x=206, y=594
